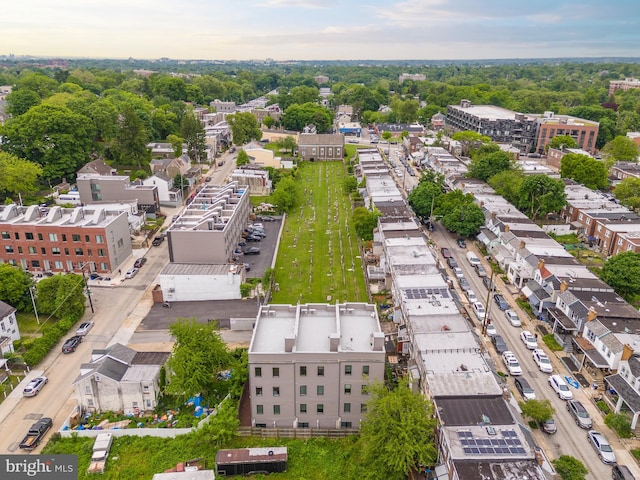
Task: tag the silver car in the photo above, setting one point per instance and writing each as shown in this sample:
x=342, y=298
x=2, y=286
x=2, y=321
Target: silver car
x=602, y=447
x=34, y=386
x=580, y=414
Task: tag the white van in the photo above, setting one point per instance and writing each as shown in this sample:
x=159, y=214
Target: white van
x=472, y=259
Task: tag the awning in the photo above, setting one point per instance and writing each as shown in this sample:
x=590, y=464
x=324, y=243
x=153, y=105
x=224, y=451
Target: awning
x=577, y=224
x=626, y=391
x=526, y=291
x=591, y=353
x=559, y=316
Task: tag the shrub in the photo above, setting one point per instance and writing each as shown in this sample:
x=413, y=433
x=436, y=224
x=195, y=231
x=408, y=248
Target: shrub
x=552, y=343
x=603, y=407
x=245, y=289
x=636, y=453
x=620, y=423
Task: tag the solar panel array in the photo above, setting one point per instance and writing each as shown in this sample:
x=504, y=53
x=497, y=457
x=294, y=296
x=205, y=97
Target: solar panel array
x=510, y=444
x=426, y=293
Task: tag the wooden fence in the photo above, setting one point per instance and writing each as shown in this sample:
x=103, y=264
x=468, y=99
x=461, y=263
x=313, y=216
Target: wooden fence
x=296, y=432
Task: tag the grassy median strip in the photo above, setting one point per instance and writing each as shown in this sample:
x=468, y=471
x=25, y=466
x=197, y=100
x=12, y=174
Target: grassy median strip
x=318, y=259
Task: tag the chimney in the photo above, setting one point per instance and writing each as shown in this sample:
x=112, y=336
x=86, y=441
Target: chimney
x=592, y=314
x=563, y=286
x=540, y=264
x=493, y=215
x=289, y=342
x=506, y=228
x=522, y=244
x=627, y=351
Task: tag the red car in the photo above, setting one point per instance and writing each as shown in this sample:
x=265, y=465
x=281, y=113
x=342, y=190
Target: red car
x=445, y=252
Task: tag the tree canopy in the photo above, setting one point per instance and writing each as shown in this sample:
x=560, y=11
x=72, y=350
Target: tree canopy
x=397, y=435
x=192, y=130
x=423, y=198
x=364, y=221
x=285, y=196
x=621, y=149
x=244, y=127
x=570, y=468
x=62, y=296
x=18, y=175
x=538, y=410
x=507, y=183
x=486, y=166
x=199, y=353
x=540, y=195
x=242, y=158
x=622, y=273
x=459, y=213
x=297, y=116
x=628, y=192
x=14, y=284
x=583, y=169
x=562, y=141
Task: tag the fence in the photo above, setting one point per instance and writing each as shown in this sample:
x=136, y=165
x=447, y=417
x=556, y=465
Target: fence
x=303, y=433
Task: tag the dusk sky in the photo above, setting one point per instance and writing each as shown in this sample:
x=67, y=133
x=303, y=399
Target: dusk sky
x=320, y=29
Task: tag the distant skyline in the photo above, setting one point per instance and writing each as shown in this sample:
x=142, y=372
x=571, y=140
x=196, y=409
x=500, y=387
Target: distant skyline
x=320, y=30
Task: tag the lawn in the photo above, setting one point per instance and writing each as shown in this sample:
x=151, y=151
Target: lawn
x=318, y=258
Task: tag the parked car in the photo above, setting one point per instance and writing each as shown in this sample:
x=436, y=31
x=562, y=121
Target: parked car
x=464, y=284
x=471, y=296
x=525, y=389
x=479, y=311
x=158, y=240
x=486, y=281
x=265, y=218
x=513, y=318
x=254, y=238
x=34, y=386
x=252, y=251
x=140, y=262
x=499, y=344
x=452, y=262
x=560, y=387
x=542, y=360
x=491, y=330
x=511, y=362
x=457, y=271
x=621, y=472
x=500, y=301
x=580, y=414
x=84, y=328
x=207, y=179
x=529, y=340
x=549, y=426
x=480, y=271
x=445, y=252
x=601, y=446
x=461, y=243
x=472, y=259
x=71, y=344
x=131, y=273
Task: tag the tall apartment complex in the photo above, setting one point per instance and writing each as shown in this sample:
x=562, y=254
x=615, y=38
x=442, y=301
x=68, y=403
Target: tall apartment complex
x=309, y=365
x=527, y=132
x=60, y=239
x=208, y=230
x=96, y=189
x=626, y=84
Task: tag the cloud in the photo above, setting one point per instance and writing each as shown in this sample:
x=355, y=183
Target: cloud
x=319, y=4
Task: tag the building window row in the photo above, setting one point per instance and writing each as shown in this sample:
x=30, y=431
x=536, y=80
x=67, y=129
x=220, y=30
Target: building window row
x=53, y=237
x=346, y=408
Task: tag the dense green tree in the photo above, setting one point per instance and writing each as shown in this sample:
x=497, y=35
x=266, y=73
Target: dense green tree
x=570, y=468
x=244, y=127
x=621, y=149
x=350, y=184
x=20, y=101
x=584, y=169
x=628, y=192
x=465, y=218
x=540, y=195
x=397, y=435
x=176, y=143
x=285, y=196
x=57, y=139
x=62, y=296
x=242, y=159
x=622, y=273
x=424, y=197
x=198, y=355
x=268, y=121
x=297, y=116
x=537, y=410
x=173, y=88
x=470, y=141
x=192, y=130
x=165, y=121
x=364, y=221
x=486, y=166
x=562, y=141
x=37, y=82
x=181, y=183
x=18, y=175
x=131, y=139
x=297, y=95
x=14, y=285
x=425, y=113
x=507, y=183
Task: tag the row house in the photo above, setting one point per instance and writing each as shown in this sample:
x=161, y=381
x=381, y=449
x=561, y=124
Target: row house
x=622, y=170
x=626, y=383
x=61, y=239
x=607, y=235
x=554, y=155
x=9, y=330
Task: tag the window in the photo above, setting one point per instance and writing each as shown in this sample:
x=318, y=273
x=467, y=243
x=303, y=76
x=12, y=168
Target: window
x=66, y=251
x=89, y=252
x=87, y=389
x=347, y=369
x=33, y=250
x=53, y=237
x=363, y=408
x=87, y=238
x=64, y=237
x=17, y=235
x=40, y=237
x=347, y=389
x=120, y=243
x=75, y=237
x=276, y=372
x=346, y=425
x=102, y=252
x=43, y=250
x=57, y=265
x=258, y=372
x=258, y=391
x=347, y=408
x=104, y=266
x=35, y=263
x=99, y=239
x=321, y=371
x=303, y=424
x=303, y=408
x=8, y=249
x=6, y=236
x=363, y=390
x=320, y=408
x=276, y=409
x=276, y=391
x=79, y=252
x=303, y=390
x=303, y=371
x=259, y=409
x=365, y=370
x=28, y=235
x=19, y=249
x=320, y=389
x=55, y=251
x=145, y=388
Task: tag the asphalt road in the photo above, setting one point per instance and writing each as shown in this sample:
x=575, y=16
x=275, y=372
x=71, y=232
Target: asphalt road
x=569, y=439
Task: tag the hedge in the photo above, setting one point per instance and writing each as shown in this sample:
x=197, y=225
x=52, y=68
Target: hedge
x=51, y=335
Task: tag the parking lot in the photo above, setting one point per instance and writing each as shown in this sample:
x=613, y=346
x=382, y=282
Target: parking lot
x=260, y=263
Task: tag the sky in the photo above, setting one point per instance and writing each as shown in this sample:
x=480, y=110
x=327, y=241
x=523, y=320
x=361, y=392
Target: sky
x=320, y=29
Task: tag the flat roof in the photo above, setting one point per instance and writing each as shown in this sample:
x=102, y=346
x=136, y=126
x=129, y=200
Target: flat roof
x=197, y=269
x=485, y=441
x=469, y=411
x=444, y=341
x=499, y=470
x=312, y=325
x=488, y=112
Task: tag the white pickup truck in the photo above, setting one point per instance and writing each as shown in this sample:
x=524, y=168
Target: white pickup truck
x=100, y=453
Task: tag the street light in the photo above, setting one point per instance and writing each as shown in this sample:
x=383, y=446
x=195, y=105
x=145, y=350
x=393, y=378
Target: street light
x=86, y=286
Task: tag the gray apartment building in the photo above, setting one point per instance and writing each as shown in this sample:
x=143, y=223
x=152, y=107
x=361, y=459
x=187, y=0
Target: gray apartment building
x=321, y=146
x=497, y=123
x=309, y=365
x=209, y=228
x=117, y=188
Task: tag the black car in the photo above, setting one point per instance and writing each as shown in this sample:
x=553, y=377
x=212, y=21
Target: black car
x=499, y=343
x=252, y=251
x=452, y=262
x=487, y=282
x=501, y=301
x=158, y=240
x=524, y=388
x=461, y=243
x=140, y=262
x=253, y=238
x=71, y=344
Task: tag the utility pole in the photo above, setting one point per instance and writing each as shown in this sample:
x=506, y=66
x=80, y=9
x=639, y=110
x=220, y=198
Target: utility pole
x=486, y=319
x=33, y=301
x=86, y=286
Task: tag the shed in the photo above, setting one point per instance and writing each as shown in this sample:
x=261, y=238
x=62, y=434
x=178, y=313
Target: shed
x=246, y=461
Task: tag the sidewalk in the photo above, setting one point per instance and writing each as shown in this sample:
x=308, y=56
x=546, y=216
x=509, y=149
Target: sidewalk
x=9, y=403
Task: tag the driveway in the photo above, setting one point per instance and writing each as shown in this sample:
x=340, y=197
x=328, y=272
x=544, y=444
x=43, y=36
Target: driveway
x=260, y=263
